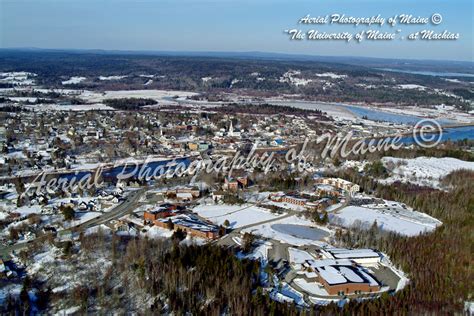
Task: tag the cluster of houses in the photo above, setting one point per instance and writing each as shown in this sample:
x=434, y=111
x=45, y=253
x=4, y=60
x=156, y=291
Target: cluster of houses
x=65, y=141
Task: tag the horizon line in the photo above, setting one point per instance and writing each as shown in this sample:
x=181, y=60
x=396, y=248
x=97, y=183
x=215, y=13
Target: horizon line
x=204, y=53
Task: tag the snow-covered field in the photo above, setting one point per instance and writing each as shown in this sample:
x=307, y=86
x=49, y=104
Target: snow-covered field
x=411, y=86
x=152, y=94
x=75, y=107
x=22, y=78
x=425, y=171
x=331, y=75
x=105, y=78
x=74, y=80
x=158, y=232
x=27, y=210
x=297, y=256
x=23, y=99
x=397, y=219
x=94, y=100
x=84, y=217
x=289, y=78
x=237, y=215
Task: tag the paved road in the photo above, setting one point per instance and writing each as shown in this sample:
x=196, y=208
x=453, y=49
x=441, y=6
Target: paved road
x=227, y=239
x=127, y=206
x=347, y=200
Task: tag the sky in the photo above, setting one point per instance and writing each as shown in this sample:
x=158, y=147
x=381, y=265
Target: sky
x=230, y=26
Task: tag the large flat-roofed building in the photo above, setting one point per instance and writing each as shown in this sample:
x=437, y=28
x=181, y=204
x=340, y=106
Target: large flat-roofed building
x=191, y=224
x=365, y=257
x=152, y=215
x=337, y=276
x=296, y=200
x=184, y=193
x=162, y=211
x=341, y=278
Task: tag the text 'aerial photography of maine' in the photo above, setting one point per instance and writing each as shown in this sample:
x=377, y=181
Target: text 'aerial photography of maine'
x=233, y=157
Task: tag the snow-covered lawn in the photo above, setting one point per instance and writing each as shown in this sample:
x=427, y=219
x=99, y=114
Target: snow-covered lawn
x=96, y=229
x=277, y=296
x=43, y=259
x=158, y=232
x=297, y=256
x=396, y=219
x=288, y=206
x=74, y=80
x=83, y=217
x=3, y=215
x=237, y=215
x=423, y=170
x=111, y=77
x=311, y=287
x=261, y=252
x=323, y=301
x=27, y=210
x=289, y=291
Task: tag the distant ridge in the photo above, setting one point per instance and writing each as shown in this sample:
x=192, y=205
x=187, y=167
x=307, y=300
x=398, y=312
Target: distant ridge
x=412, y=64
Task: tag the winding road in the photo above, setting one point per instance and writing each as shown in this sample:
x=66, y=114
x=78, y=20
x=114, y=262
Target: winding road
x=127, y=206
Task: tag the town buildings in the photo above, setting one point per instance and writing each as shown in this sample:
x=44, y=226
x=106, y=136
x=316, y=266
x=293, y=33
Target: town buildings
x=171, y=217
x=340, y=183
x=191, y=224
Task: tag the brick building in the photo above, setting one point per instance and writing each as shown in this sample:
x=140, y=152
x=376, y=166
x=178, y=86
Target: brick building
x=191, y=224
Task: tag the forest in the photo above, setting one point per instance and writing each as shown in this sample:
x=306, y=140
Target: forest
x=439, y=264
x=129, y=104
x=356, y=82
